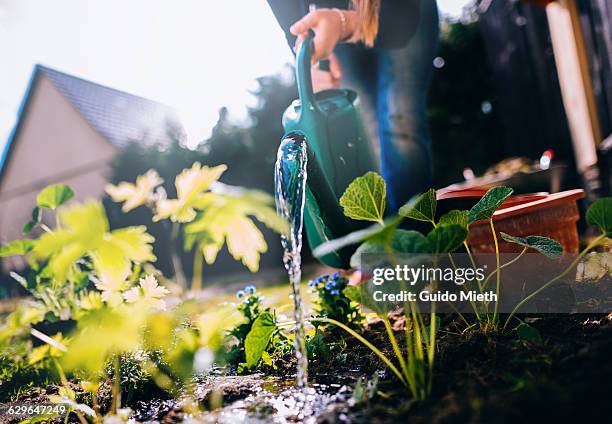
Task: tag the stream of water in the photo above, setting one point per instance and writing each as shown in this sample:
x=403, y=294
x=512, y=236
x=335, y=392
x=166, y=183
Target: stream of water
x=290, y=182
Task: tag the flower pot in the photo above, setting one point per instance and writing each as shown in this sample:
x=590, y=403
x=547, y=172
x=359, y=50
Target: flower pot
x=553, y=216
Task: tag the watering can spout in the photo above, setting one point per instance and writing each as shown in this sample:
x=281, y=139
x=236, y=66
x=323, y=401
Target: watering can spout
x=338, y=152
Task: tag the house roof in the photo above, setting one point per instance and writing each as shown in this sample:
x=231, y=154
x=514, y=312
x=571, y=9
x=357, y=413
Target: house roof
x=117, y=116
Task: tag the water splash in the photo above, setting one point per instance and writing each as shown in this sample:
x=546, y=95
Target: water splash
x=290, y=182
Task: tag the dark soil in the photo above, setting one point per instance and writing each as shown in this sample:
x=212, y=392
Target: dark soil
x=493, y=378
x=481, y=378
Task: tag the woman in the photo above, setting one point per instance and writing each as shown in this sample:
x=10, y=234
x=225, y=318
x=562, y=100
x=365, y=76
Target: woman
x=383, y=49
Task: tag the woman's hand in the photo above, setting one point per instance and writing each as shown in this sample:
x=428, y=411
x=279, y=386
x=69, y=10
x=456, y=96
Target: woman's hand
x=324, y=80
x=328, y=27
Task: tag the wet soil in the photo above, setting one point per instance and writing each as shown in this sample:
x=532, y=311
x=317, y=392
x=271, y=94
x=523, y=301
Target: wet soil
x=481, y=378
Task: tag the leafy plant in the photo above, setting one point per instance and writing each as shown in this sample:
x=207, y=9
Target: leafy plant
x=211, y=215
x=333, y=303
x=365, y=198
x=258, y=336
x=414, y=368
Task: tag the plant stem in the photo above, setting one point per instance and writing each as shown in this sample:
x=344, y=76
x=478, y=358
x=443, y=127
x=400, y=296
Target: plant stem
x=586, y=250
x=472, y=303
x=396, y=349
x=497, y=271
x=198, y=264
x=373, y=348
x=179, y=275
x=507, y=264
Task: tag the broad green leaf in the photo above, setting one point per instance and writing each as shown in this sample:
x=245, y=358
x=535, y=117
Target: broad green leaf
x=16, y=247
x=455, y=217
x=54, y=196
x=353, y=293
x=84, y=232
x=365, y=198
x=375, y=231
x=135, y=243
x=422, y=207
x=226, y=219
x=191, y=185
x=489, y=203
x=600, y=214
x=101, y=334
x=446, y=238
x=227, y=224
x=137, y=194
x=402, y=241
x=258, y=338
x=528, y=333
x=544, y=245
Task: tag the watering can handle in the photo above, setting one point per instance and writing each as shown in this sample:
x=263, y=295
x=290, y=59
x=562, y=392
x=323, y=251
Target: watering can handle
x=303, y=75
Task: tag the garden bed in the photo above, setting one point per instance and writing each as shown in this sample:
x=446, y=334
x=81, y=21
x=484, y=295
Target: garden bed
x=565, y=376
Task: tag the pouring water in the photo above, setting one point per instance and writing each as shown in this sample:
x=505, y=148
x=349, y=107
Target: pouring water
x=290, y=188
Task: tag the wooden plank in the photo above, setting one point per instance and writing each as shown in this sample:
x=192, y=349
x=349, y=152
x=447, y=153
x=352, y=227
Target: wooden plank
x=575, y=80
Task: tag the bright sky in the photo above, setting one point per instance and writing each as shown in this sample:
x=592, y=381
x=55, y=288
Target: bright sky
x=194, y=55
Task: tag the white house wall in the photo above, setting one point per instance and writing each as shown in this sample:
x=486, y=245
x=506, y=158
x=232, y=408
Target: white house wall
x=54, y=145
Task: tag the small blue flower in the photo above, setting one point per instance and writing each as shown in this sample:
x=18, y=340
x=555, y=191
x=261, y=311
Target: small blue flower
x=312, y=283
x=335, y=276
x=250, y=289
x=239, y=294
x=321, y=278
x=330, y=285
x=335, y=292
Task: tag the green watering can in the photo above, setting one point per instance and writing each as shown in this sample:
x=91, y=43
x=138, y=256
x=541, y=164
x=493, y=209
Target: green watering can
x=338, y=152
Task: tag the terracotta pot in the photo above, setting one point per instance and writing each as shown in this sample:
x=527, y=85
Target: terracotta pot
x=554, y=216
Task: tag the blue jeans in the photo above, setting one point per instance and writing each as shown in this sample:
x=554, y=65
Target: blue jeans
x=392, y=85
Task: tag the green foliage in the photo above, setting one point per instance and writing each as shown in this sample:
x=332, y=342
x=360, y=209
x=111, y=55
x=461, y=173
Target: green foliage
x=54, y=196
x=455, y=217
x=259, y=336
x=32, y=223
x=85, y=232
x=402, y=241
x=600, y=215
x=212, y=214
x=373, y=232
x=488, y=204
x=365, y=198
x=544, y=245
x=17, y=247
x=225, y=220
x=446, y=238
x=332, y=301
x=422, y=207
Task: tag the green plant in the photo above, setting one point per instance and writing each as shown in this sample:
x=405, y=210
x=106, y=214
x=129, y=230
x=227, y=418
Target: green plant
x=258, y=337
x=211, y=214
x=331, y=301
x=364, y=199
x=85, y=274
